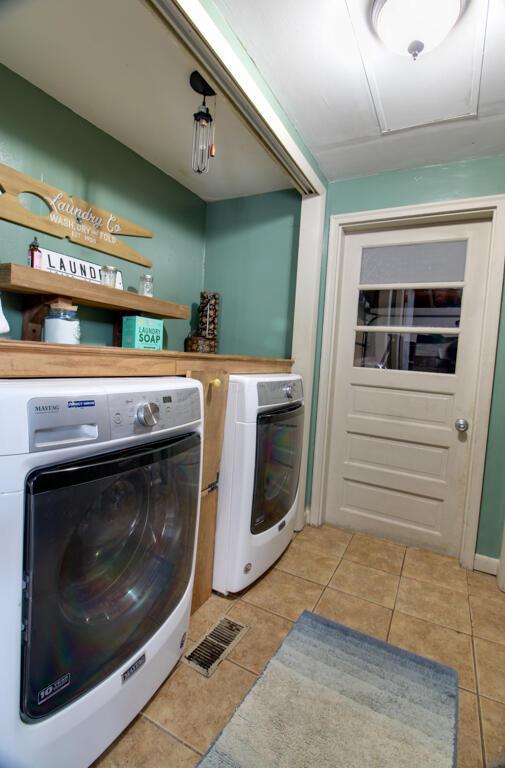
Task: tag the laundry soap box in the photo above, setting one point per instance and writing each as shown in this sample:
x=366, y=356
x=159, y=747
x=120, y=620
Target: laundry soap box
x=142, y=332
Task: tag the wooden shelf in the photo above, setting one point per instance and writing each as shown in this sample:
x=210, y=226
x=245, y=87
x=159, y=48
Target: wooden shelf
x=37, y=359
x=15, y=278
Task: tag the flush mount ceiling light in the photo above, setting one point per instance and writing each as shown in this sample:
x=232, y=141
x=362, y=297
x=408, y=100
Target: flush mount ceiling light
x=409, y=27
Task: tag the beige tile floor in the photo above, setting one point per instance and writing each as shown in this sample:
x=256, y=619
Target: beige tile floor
x=414, y=599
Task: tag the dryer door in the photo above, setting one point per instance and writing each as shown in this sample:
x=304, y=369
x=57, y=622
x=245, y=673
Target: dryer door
x=278, y=455
x=109, y=553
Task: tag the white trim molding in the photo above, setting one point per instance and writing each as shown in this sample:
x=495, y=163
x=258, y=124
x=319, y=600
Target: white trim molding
x=486, y=564
x=500, y=574
x=308, y=275
x=489, y=208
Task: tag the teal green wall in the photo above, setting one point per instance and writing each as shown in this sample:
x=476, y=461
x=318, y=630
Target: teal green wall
x=470, y=178
x=251, y=254
x=44, y=139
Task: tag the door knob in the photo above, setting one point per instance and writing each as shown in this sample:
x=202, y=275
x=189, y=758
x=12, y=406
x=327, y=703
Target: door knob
x=215, y=383
x=461, y=425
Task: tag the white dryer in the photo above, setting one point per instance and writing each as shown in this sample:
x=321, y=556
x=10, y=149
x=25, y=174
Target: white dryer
x=259, y=475
x=99, y=502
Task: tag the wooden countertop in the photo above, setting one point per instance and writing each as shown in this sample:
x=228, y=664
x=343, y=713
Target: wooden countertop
x=37, y=359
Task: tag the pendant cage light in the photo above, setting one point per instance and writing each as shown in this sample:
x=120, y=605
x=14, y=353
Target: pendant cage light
x=203, y=126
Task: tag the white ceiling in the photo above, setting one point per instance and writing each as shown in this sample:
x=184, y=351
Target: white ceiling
x=116, y=64
x=361, y=109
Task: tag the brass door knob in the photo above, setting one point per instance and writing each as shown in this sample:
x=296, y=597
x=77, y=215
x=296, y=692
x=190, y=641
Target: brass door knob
x=215, y=383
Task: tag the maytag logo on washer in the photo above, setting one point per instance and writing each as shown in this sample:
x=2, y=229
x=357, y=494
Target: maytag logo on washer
x=47, y=408
x=133, y=668
x=81, y=404
x=51, y=690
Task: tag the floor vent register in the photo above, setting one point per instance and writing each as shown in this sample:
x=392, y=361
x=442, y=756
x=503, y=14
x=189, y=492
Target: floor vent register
x=206, y=656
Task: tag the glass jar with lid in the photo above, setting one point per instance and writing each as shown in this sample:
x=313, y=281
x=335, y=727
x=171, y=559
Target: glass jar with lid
x=62, y=326
x=108, y=276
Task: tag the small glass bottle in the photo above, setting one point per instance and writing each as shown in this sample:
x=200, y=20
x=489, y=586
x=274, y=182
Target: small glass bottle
x=146, y=285
x=34, y=254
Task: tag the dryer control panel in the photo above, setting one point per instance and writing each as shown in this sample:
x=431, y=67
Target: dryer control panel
x=279, y=392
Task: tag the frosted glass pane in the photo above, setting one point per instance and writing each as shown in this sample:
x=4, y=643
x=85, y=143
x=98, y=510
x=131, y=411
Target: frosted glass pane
x=414, y=263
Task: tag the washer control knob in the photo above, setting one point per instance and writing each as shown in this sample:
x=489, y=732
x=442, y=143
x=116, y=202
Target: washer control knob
x=288, y=391
x=148, y=414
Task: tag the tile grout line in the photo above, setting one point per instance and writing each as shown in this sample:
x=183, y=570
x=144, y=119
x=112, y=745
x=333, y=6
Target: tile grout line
x=272, y=613
x=435, y=584
x=192, y=641
x=436, y=624
x=479, y=711
x=334, y=572
x=433, y=623
x=166, y=730
x=246, y=669
x=358, y=597
x=339, y=559
x=396, y=596
x=347, y=546
x=463, y=687
x=267, y=610
x=312, y=581
x=490, y=698
x=367, y=565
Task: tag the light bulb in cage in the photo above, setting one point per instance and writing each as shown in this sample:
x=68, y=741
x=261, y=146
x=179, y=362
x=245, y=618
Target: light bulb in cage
x=203, y=127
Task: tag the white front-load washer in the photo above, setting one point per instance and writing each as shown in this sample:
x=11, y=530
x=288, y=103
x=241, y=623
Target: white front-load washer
x=259, y=475
x=99, y=502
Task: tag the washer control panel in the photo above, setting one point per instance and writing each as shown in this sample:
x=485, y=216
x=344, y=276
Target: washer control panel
x=140, y=412
x=148, y=414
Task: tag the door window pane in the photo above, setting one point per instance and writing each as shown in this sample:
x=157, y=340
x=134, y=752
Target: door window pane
x=431, y=307
x=414, y=263
x=426, y=352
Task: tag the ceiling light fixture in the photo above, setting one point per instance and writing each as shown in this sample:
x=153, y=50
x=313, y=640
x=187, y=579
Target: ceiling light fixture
x=410, y=27
x=203, y=126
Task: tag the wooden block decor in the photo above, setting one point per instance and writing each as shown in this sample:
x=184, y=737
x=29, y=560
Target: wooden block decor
x=68, y=217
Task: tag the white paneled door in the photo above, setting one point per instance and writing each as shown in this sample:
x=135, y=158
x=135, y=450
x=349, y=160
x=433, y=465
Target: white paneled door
x=405, y=379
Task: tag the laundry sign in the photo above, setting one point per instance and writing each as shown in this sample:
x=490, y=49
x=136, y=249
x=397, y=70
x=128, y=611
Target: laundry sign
x=68, y=216
x=60, y=264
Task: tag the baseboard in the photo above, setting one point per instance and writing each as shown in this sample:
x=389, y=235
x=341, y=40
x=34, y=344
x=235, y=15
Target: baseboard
x=486, y=564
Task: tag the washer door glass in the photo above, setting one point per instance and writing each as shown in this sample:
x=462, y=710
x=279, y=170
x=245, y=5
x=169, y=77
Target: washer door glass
x=278, y=454
x=109, y=552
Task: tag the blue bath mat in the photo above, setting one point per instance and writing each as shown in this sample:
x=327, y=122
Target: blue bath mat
x=335, y=698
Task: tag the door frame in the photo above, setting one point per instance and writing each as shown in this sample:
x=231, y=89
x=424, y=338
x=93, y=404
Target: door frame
x=489, y=208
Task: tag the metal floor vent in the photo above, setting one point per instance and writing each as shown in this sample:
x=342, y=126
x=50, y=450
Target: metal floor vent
x=206, y=656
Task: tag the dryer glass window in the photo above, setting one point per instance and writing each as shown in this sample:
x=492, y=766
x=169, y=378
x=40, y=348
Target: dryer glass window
x=109, y=551
x=278, y=456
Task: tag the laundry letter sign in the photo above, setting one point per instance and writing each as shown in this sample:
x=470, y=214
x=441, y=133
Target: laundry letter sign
x=67, y=216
